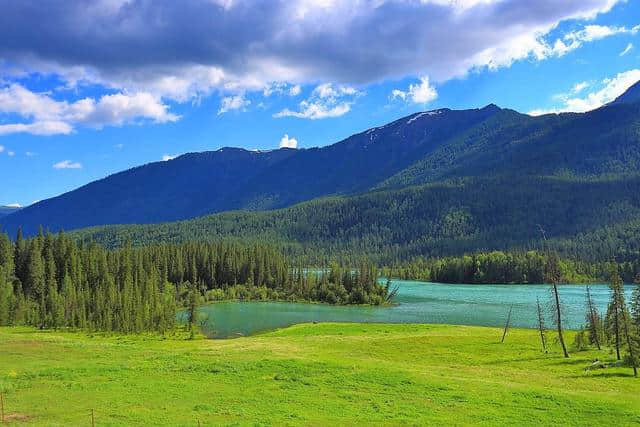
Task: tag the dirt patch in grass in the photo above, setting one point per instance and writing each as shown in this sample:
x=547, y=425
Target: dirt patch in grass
x=16, y=417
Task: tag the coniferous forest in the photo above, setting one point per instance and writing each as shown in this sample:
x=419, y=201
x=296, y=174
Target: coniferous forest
x=507, y=267
x=51, y=281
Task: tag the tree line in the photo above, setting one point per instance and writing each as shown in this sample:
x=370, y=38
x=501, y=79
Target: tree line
x=619, y=327
x=506, y=267
x=585, y=219
x=52, y=281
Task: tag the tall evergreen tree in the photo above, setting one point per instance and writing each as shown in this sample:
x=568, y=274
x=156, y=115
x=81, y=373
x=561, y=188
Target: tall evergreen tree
x=616, y=309
x=594, y=323
x=635, y=303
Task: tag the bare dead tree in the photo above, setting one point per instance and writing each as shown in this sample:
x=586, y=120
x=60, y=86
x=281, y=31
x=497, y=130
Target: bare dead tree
x=541, y=326
x=392, y=293
x=506, y=326
x=558, y=318
x=553, y=275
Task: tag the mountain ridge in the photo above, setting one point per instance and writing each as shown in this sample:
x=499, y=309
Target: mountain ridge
x=230, y=178
x=417, y=149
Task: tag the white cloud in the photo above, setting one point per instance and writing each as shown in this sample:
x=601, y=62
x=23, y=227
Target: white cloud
x=37, y=128
x=276, y=87
x=30, y=153
x=51, y=117
x=342, y=41
x=421, y=93
x=237, y=102
x=198, y=50
x=281, y=88
x=533, y=45
x=287, y=142
x=574, y=40
x=596, y=32
x=295, y=90
x=120, y=108
x=611, y=89
x=627, y=49
x=579, y=87
x=326, y=101
x=11, y=153
x=315, y=111
x=67, y=164
x=13, y=205
x=167, y=157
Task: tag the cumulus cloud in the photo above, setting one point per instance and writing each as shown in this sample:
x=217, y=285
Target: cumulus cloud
x=627, y=49
x=287, y=142
x=576, y=39
x=67, y=164
x=295, y=90
x=611, y=88
x=187, y=49
x=579, y=87
x=51, y=117
x=326, y=100
x=421, y=93
x=281, y=88
x=237, y=102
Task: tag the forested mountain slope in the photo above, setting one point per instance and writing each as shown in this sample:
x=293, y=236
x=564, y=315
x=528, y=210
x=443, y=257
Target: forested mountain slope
x=423, y=148
x=602, y=142
x=585, y=219
x=6, y=210
x=231, y=178
x=191, y=185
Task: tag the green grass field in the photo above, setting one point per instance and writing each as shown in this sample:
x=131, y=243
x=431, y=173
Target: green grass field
x=314, y=374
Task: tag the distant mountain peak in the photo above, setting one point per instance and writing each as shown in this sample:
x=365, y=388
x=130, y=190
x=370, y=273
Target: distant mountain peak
x=491, y=106
x=630, y=95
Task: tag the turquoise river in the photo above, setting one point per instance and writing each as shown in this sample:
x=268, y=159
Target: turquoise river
x=416, y=302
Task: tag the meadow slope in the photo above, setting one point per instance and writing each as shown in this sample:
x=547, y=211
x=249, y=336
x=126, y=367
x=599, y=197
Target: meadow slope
x=318, y=374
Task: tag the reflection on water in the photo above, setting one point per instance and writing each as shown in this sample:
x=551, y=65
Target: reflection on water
x=416, y=302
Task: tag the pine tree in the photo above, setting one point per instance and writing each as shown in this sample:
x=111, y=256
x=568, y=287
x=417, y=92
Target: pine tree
x=616, y=307
x=193, y=302
x=635, y=304
x=6, y=297
x=594, y=323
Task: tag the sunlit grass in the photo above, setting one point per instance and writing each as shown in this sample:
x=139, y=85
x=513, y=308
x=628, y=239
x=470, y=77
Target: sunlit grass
x=316, y=374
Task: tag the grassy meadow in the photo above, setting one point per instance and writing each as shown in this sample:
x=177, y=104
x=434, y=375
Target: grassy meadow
x=311, y=374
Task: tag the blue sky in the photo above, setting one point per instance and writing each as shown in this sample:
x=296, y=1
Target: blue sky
x=106, y=85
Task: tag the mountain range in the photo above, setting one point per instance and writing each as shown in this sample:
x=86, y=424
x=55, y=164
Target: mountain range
x=6, y=210
x=488, y=151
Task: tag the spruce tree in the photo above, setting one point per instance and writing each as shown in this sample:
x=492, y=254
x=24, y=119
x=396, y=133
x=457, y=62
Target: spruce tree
x=594, y=323
x=635, y=304
x=616, y=307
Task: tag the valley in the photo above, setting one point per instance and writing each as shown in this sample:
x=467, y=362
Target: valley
x=320, y=213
